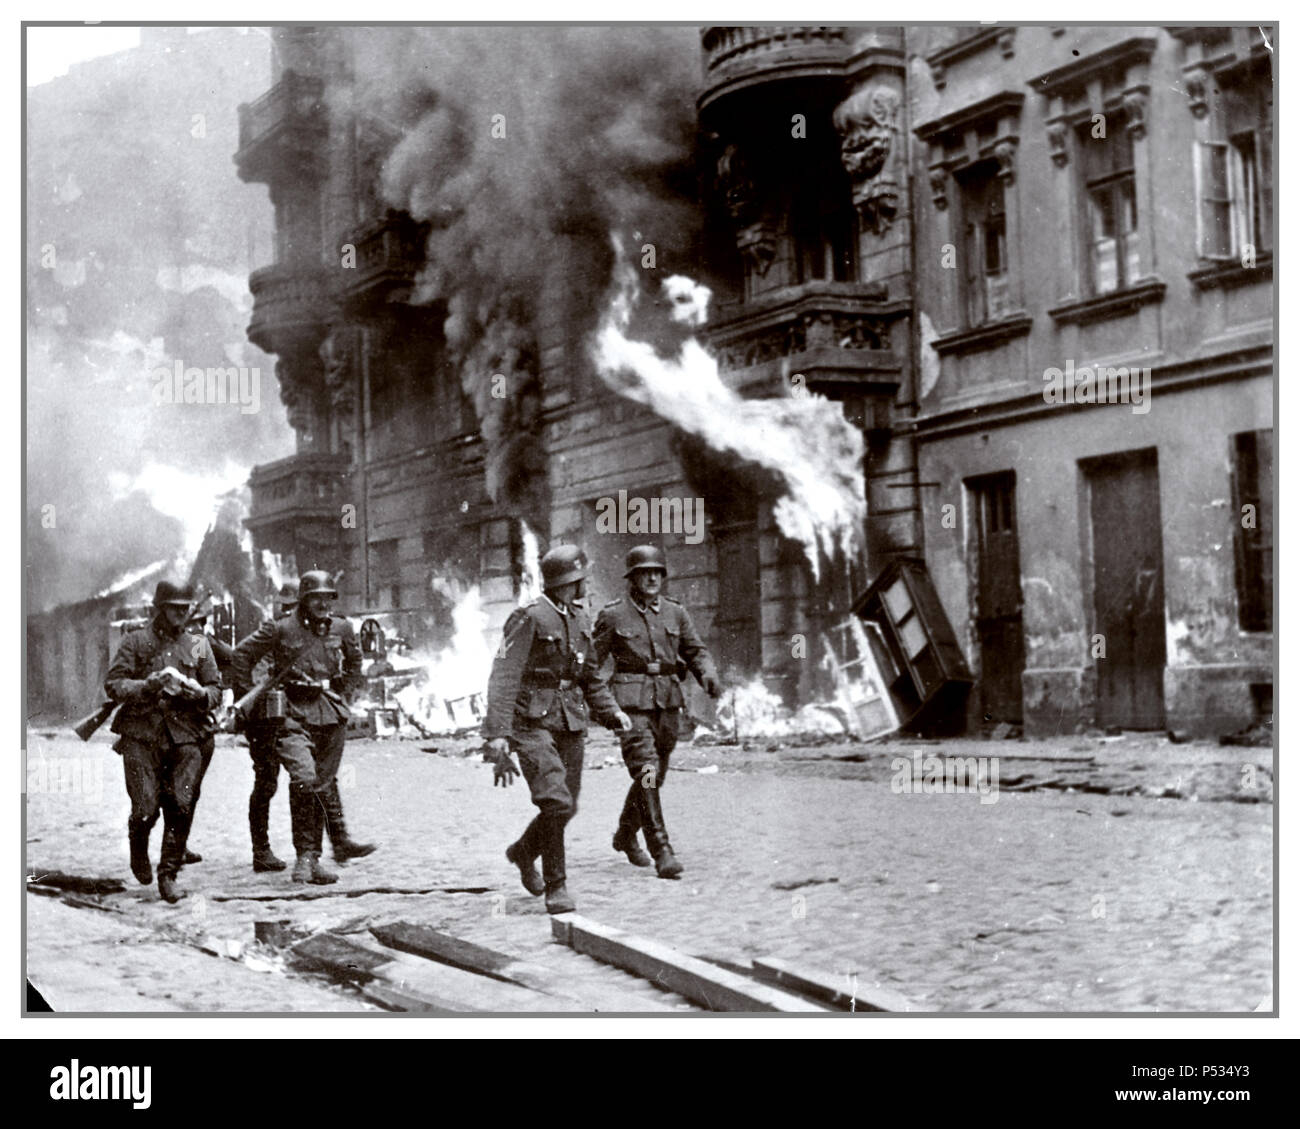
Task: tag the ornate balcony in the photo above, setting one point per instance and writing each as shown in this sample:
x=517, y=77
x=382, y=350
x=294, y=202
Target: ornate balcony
x=390, y=253
x=285, y=129
x=738, y=57
x=837, y=335
x=304, y=487
x=291, y=306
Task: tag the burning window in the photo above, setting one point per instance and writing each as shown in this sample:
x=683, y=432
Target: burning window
x=1252, y=480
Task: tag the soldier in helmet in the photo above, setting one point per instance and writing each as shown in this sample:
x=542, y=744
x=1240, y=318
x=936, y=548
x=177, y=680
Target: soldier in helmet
x=324, y=661
x=653, y=643
x=543, y=682
x=261, y=732
x=224, y=653
x=167, y=682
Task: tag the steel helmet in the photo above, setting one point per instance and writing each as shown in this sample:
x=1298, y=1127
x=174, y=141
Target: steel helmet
x=645, y=556
x=288, y=598
x=563, y=564
x=317, y=580
x=168, y=592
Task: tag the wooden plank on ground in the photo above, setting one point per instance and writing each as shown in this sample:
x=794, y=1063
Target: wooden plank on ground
x=77, y=883
x=846, y=993
x=715, y=988
x=433, y=944
x=359, y=962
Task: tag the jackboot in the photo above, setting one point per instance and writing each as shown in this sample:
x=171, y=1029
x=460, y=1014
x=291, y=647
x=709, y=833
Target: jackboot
x=168, y=890
x=191, y=857
x=628, y=823
x=265, y=860
x=517, y=854
x=259, y=818
x=321, y=875
x=656, y=834
x=344, y=848
x=176, y=828
x=551, y=834
x=138, y=838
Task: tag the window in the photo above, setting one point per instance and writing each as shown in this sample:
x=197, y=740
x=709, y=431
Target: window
x=824, y=235
x=983, y=204
x=1252, y=461
x=1110, y=202
x=385, y=575
x=1234, y=177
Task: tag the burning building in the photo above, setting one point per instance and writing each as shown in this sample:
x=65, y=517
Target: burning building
x=491, y=326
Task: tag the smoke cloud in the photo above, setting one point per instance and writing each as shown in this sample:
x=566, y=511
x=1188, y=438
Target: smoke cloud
x=140, y=242
x=524, y=147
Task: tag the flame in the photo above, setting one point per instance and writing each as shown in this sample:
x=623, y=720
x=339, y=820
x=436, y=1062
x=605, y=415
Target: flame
x=530, y=573
x=450, y=690
x=806, y=440
x=752, y=710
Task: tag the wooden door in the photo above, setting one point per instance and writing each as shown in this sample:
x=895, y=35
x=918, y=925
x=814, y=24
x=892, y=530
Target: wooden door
x=1128, y=586
x=999, y=621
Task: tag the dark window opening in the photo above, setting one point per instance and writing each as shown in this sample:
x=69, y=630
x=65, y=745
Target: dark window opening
x=983, y=203
x=1253, y=522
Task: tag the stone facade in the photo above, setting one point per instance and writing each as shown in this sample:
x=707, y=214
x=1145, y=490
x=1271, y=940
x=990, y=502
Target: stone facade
x=917, y=223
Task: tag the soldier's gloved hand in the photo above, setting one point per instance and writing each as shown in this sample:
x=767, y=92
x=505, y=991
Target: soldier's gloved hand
x=622, y=721
x=503, y=768
x=155, y=682
x=712, y=686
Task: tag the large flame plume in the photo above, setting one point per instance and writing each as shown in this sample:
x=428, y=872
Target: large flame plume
x=805, y=439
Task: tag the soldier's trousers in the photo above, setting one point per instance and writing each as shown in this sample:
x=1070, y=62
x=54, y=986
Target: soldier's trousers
x=552, y=765
x=646, y=747
x=311, y=754
x=162, y=776
x=266, y=778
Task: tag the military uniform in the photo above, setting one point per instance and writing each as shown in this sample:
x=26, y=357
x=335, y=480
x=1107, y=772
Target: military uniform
x=543, y=686
x=224, y=654
x=326, y=663
x=650, y=645
x=160, y=737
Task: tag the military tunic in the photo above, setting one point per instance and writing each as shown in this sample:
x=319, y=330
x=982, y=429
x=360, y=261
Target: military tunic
x=161, y=736
x=544, y=683
x=650, y=646
x=325, y=667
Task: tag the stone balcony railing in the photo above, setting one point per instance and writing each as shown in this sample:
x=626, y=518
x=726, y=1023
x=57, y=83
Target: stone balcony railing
x=291, y=305
x=742, y=56
x=837, y=335
x=390, y=253
x=284, y=130
x=307, y=486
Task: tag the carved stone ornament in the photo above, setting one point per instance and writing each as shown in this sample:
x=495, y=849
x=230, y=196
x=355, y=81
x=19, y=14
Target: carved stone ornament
x=1057, y=140
x=1135, y=106
x=939, y=188
x=1004, y=152
x=867, y=123
x=1197, y=85
x=757, y=242
x=735, y=183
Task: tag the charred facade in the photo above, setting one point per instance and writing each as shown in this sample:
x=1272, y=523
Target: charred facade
x=917, y=223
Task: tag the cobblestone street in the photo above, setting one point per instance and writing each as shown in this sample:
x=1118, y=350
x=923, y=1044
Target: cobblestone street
x=1149, y=892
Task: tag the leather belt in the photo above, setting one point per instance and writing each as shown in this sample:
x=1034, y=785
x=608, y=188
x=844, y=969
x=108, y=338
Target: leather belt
x=555, y=683
x=647, y=668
